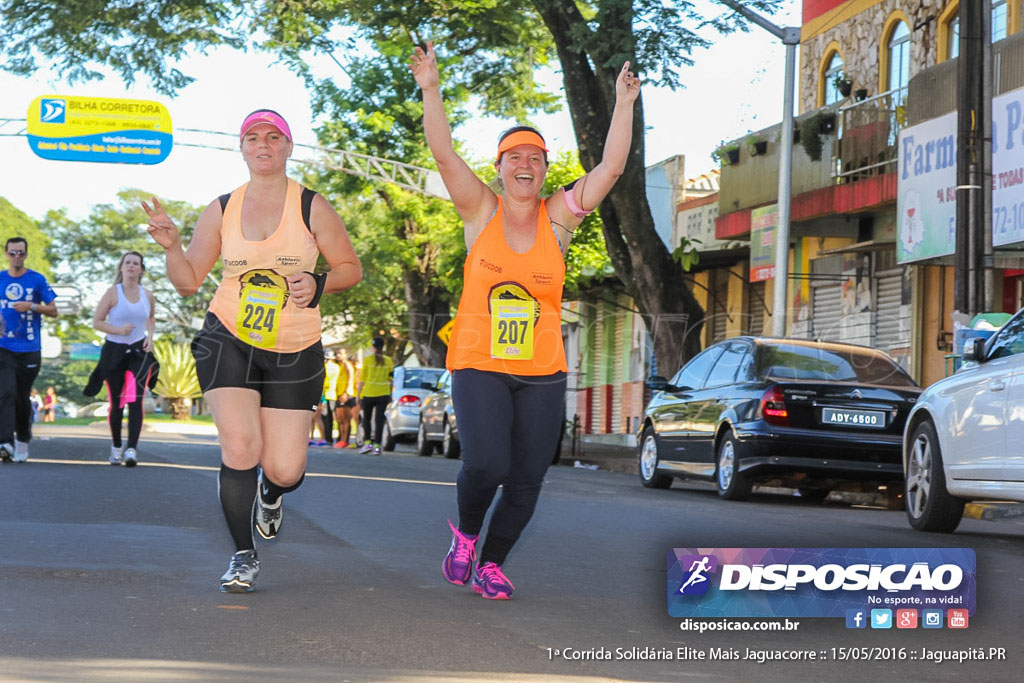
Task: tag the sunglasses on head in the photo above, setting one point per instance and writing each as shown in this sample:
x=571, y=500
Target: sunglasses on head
x=16, y=252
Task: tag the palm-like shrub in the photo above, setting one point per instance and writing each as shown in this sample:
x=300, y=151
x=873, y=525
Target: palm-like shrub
x=177, y=382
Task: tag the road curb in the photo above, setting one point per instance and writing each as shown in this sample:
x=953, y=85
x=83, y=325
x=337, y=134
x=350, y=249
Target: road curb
x=989, y=511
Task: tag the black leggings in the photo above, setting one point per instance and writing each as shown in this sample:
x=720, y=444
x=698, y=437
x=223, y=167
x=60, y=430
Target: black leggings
x=373, y=417
x=115, y=385
x=508, y=429
x=18, y=371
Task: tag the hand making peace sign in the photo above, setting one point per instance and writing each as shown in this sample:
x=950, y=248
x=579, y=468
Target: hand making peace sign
x=161, y=227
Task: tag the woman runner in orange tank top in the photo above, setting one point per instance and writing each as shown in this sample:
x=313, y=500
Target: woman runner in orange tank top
x=258, y=357
x=505, y=353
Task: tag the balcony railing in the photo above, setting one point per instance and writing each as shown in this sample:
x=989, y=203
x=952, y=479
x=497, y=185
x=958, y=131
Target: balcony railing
x=868, y=135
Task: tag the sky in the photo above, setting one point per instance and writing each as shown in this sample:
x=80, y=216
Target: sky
x=734, y=86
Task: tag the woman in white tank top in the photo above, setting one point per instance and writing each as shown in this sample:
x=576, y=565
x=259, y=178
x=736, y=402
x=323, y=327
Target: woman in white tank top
x=126, y=363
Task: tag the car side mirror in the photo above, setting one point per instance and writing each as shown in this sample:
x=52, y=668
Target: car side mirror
x=974, y=350
x=656, y=383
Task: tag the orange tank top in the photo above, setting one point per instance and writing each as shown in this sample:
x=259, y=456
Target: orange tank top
x=256, y=271
x=510, y=313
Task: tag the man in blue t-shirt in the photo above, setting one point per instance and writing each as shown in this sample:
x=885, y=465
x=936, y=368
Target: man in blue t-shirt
x=25, y=295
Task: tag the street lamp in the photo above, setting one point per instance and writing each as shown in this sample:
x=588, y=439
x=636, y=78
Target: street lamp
x=790, y=37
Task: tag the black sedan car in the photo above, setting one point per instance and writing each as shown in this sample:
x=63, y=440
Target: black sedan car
x=797, y=413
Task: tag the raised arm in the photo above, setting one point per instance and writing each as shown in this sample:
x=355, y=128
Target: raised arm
x=186, y=269
x=592, y=188
x=474, y=201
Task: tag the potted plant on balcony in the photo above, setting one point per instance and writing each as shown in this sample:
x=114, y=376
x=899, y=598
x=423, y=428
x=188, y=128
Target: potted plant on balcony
x=727, y=154
x=843, y=84
x=811, y=130
x=756, y=145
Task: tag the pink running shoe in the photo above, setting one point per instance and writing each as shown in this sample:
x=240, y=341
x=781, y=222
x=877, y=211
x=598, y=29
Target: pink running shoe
x=490, y=582
x=458, y=563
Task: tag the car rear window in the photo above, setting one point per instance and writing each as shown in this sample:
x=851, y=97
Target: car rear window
x=813, y=363
x=415, y=376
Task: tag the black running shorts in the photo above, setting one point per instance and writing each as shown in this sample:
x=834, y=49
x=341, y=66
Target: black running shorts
x=292, y=381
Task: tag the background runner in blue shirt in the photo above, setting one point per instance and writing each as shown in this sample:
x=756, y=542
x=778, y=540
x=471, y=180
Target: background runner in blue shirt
x=25, y=296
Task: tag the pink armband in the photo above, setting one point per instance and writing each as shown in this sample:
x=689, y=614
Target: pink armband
x=571, y=203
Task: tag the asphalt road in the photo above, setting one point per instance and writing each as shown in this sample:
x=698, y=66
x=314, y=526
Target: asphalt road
x=112, y=573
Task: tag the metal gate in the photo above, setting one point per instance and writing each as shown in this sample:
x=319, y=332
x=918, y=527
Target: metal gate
x=828, y=312
x=888, y=307
x=718, y=304
x=755, y=308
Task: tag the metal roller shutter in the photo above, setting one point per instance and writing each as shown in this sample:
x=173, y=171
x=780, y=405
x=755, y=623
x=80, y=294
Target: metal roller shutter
x=755, y=308
x=619, y=357
x=888, y=319
x=827, y=312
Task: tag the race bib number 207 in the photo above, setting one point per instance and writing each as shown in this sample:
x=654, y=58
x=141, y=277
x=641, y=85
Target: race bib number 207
x=512, y=329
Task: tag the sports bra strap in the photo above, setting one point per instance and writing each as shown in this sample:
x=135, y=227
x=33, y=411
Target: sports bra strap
x=307, y=204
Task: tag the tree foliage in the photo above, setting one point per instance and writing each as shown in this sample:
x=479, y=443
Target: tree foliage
x=487, y=48
x=93, y=247
x=16, y=223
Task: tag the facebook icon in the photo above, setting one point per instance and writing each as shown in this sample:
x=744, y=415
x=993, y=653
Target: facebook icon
x=856, y=618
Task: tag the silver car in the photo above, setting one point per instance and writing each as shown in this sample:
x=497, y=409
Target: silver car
x=963, y=438
x=402, y=416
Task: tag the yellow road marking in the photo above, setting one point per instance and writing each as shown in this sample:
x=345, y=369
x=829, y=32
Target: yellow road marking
x=208, y=468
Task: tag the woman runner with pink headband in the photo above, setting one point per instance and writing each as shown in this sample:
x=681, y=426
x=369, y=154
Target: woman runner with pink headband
x=258, y=357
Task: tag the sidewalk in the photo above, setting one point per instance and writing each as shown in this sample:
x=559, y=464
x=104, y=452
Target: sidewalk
x=607, y=457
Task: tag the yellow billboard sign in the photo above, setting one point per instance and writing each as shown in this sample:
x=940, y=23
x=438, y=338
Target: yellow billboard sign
x=74, y=128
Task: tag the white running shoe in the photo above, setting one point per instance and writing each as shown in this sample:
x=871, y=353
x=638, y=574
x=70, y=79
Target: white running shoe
x=116, y=455
x=268, y=517
x=131, y=458
x=20, y=451
x=241, y=572
x=6, y=452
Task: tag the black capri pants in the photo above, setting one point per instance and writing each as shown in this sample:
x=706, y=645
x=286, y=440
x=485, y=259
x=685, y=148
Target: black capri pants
x=508, y=428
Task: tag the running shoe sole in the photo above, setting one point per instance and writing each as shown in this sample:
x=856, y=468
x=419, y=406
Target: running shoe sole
x=501, y=595
x=235, y=586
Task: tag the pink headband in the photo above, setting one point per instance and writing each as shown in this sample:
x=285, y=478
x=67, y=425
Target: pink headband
x=265, y=116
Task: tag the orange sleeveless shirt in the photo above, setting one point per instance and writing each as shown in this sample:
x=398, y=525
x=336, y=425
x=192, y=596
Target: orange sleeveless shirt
x=494, y=274
x=289, y=250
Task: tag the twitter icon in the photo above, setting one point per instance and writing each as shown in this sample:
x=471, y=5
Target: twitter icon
x=881, y=618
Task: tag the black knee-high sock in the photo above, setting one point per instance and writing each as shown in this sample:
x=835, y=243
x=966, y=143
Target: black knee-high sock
x=271, y=491
x=237, y=491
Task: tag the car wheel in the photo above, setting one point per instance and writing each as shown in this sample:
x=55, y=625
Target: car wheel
x=450, y=446
x=424, y=448
x=930, y=507
x=730, y=482
x=648, y=461
x=387, y=441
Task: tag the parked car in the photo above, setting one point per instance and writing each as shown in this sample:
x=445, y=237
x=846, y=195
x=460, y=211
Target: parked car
x=402, y=415
x=804, y=414
x=438, y=428
x=963, y=438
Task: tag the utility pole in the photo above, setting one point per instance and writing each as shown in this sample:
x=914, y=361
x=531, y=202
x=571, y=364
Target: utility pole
x=972, y=288
x=790, y=37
